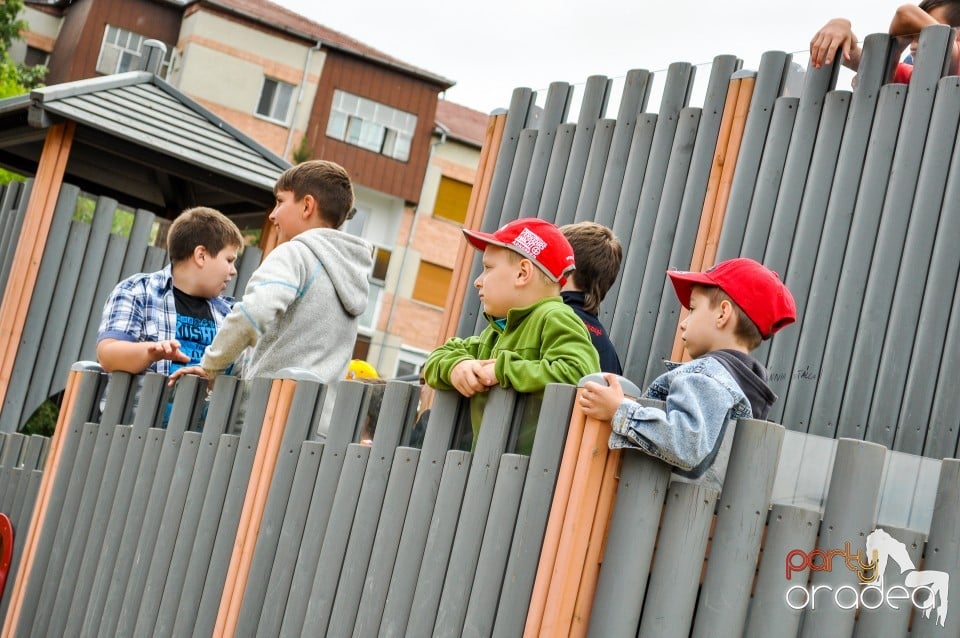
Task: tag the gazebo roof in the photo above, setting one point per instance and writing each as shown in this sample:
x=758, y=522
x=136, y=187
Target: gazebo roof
x=141, y=140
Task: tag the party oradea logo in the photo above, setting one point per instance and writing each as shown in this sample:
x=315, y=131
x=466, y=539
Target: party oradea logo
x=925, y=589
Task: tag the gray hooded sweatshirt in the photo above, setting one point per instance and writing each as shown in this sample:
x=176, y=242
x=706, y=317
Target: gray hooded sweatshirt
x=300, y=308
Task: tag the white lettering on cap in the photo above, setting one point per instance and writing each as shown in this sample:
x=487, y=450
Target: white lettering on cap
x=529, y=242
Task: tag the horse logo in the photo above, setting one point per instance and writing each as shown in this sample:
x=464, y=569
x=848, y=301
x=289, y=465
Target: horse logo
x=881, y=547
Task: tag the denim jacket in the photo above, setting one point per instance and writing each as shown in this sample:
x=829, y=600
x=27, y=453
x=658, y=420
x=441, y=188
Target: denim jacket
x=701, y=398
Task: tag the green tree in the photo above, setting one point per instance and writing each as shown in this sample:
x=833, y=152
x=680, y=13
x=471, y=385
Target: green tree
x=15, y=79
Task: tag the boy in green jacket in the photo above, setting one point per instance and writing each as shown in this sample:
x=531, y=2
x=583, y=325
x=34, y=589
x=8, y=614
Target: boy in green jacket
x=533, y=337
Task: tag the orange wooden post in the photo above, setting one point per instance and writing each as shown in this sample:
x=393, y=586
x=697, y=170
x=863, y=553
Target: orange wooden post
x=578, y=523
x=251, y=516
x=595, y=549
x=31, y=244
x=551, y=537
x=732, y=123
x=478, y=202
x=42, y=503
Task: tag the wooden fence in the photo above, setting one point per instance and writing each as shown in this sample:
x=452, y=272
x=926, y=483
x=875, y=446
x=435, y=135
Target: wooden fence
x=275, y=531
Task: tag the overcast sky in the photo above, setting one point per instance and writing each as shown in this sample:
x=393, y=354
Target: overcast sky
x=502, y=44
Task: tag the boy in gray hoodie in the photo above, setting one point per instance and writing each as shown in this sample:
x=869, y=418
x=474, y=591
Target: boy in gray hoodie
x=301, y=307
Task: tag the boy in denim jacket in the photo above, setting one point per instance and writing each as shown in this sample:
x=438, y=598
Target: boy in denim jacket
x=733, y=307
x=533, y=338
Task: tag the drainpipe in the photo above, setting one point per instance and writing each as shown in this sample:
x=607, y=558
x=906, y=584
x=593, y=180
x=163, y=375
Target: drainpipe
x=296, y=105
x=406, y=251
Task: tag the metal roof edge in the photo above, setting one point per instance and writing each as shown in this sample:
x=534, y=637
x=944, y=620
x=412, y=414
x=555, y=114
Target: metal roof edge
x=89, y=85
x=15, y=103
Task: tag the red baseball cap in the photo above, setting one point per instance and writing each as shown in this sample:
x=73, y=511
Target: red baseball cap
x=752, y=286
x=536, y=239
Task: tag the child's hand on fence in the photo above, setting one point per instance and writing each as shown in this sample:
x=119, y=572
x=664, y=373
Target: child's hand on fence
x=599, y=401
x=467, y=377
x=488, y=373
x=166, y=349
x=197, y=370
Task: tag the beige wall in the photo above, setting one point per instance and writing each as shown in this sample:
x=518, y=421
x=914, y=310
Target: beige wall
x=226, y=74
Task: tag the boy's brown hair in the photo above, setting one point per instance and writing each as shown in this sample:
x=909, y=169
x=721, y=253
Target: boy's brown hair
x=598, y=255
x=746, y=331
x=951, y=9
x=327, y=182
x=201, y=226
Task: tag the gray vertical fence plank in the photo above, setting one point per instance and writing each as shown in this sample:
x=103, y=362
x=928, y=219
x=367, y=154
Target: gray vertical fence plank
x=53, y=330
x=21, y=512
x=789, y=249
x=849, y=514
x=788, y=528
x=636, y=90
x=535, y=506
x=350, y=397
x=128, y=501
x=201, y=480
x=248, y=262
x=758, y=127
x=631, y=537
x=383, y=556
x=664, y=227
x=40, y=302
x=512, y=199
x=946, y=402
x=871, y=328
x=490, y=445
x=137, y=244
x=919, y=431
x=10, y=460
x=153, y=259
x=181, y=415
x=419, y=618
x=68, y=520
x=829, y=332
x=281, y=571
x=320, y=596
x=20, y=539
x=943, y=551
x=397, y=398
x=82, y=305
x=521, y=104
x=884, y=621
x=672, y=591
x=768, y=180
x=586, y=208
x=555, y=109
x=279, y=500
x=492, y=561
x=592, y=107
x=851, y=170
x=396, y=599
x=916, y=267
x=679, y=77
x=107, y=278
x=628, y=198
x=741, y=518
x=556, y=170
x=162, y=552
x=13, y=210
x=210, y=555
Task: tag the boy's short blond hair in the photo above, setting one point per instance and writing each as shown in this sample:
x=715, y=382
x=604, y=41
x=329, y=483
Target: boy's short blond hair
x=598, y=255
x=327, y=182
x=746, y=330
x=201, y=226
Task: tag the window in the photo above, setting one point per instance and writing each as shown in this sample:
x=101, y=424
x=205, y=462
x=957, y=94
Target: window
x=453, y=198
x=275, y=100
x=378, y=276
x=35, y=57
x=376, y=127
x=409, y=362
x=432, y=284
x=120, y=52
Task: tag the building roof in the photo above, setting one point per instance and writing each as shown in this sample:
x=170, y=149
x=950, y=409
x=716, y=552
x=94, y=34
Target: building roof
x=278, y=17
x=144, y=140
x=462, y=123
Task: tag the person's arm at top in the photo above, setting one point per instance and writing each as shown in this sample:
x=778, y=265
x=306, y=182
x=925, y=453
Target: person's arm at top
x=835, y=34
x=908, y=21
x=136, y=356
x=454, y=366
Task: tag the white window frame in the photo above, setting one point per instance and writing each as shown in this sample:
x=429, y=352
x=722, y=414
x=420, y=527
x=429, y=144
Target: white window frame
x=371, y=125
x=126, y=46
x=275, y=100
x=413, y=356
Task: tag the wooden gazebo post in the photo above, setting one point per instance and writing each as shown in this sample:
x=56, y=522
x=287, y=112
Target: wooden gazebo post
x=30, y=245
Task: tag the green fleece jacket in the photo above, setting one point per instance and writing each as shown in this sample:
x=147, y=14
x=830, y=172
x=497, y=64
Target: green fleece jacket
x=543, y=343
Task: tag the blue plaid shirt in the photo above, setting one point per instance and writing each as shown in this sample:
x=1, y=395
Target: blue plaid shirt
x=142, y=308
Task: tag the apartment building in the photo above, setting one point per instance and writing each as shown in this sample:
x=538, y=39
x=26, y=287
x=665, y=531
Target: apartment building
x=304, y=90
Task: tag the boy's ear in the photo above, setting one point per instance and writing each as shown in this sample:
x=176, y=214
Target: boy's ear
x=725, y=313
x=199, y=255
x=309, y=205
x=525, y=271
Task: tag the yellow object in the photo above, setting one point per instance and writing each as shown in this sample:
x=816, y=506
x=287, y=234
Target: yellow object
x=360, y=369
